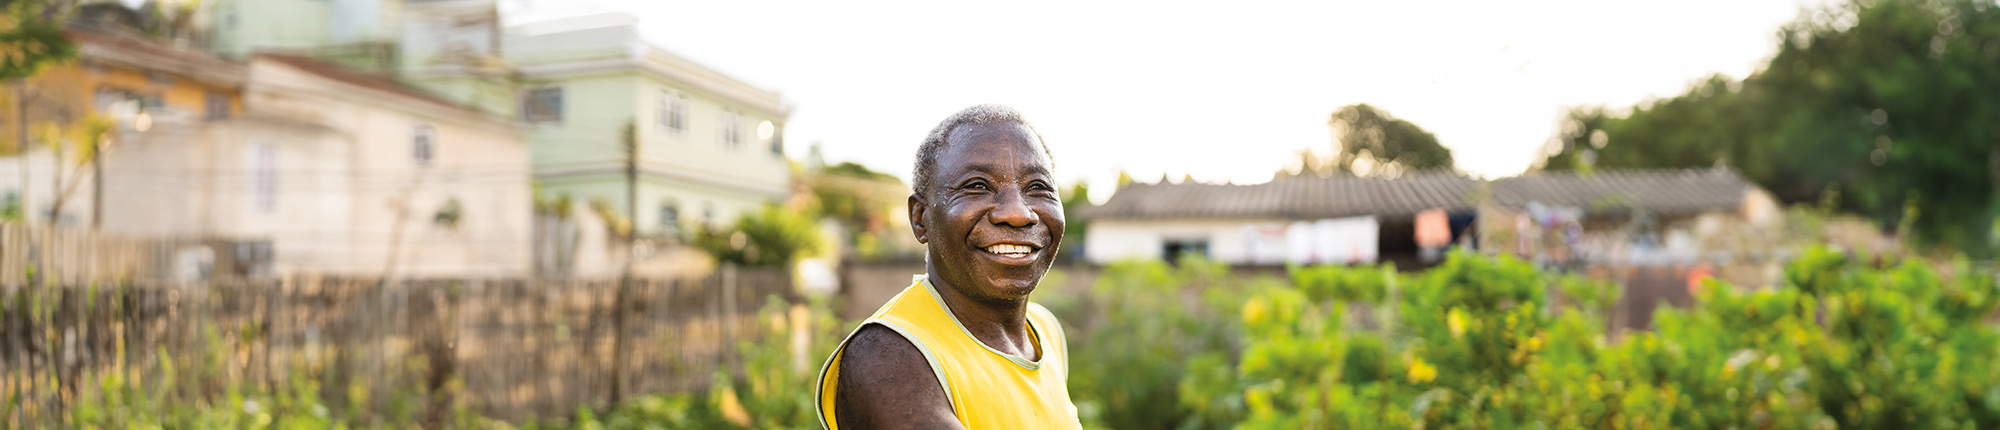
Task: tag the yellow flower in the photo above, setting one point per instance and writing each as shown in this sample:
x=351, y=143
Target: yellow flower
x=1422, y=372
x=732, y=408
x=1455, y=320
x=1255, y=310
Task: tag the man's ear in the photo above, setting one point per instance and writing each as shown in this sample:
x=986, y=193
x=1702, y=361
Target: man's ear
x=917, y=226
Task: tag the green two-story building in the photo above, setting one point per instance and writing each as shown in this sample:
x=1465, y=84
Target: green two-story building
x=708, y=146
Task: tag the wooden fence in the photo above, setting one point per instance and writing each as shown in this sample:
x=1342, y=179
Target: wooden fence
x=73, y=256
x=508, y=349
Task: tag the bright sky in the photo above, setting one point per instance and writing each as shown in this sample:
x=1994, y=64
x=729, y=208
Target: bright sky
x=1224, y=93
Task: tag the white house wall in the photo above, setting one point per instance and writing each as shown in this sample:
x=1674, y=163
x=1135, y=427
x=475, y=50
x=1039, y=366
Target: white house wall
x=40, y=188
x=356, y=200
x=1243, y=241
x=1113, y=240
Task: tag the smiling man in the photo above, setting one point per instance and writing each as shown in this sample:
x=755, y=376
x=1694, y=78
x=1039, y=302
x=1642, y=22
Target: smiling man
x=962, y=347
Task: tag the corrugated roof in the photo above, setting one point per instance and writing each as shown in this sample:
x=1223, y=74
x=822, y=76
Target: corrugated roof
x=1294, y=198
x=1658, y=191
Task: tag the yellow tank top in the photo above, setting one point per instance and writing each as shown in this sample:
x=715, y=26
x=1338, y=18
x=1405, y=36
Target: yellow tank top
x=987, y=389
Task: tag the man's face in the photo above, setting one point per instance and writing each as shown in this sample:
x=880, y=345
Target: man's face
x=993, y=219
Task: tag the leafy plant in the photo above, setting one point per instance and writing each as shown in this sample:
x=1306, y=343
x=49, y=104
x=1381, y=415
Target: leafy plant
x=773, y=236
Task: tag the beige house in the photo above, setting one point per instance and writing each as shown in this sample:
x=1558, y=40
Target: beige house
x=330, y=171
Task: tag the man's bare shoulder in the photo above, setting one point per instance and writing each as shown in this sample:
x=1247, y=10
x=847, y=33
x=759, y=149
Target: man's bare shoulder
x=885, y=383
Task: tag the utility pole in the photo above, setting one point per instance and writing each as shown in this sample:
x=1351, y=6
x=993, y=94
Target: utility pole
x=97, y=183
x=27, y=205
x=21, y=147
x=631, y=253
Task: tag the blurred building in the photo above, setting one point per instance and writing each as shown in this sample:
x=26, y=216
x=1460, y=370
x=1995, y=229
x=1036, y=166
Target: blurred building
x=287, y=164
x=128, y=81
x=1634, y=217
x=709, y=146
x=1668, y=217
x=1300, y=219
x=447, y=47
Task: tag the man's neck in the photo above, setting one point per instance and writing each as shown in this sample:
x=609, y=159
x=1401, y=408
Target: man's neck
x=1000, y=324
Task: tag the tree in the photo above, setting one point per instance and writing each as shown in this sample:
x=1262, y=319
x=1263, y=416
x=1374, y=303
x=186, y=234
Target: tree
x=76, y=146
x=1889, y=102
x=773, y=237
x=1076, y=223
x=866, y=203
x=1369, y=137
x=31, y=37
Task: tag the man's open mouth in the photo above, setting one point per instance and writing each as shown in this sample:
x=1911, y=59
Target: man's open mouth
x=1011, y=250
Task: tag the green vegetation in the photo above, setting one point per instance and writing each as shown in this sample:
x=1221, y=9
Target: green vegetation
x=1886, y=102
x=187, y=395
x=869, y=204
x=773, y=237
x=1076, y=219
x=31, y=37
x=1478, y=342
x=774, y=391
x=1490, y=343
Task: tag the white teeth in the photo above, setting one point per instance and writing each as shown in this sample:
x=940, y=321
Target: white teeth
x=1004, y=249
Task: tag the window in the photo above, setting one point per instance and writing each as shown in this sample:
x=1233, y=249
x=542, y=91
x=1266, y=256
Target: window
x=159, y=78
x=670, y=218
x=778, y=144
x=10, y=205
x=122, y=103
x=264, y=177
x=773, y=136
x=217, y=106
x=731, y=130
x=423, y=144
x=708, y=215
x=673, y=113
x=542, y=105
x=1173, y=250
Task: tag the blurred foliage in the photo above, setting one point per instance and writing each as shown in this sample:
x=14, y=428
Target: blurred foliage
x=867, y=203
x=1483, y=342
x=774, y=391
x=1076, y=223
x=1887, y=102
x=773, y=236
x=1136, y=333
x=187, y=394
x=31, y=36
x=768, y=393
x=1477, y=342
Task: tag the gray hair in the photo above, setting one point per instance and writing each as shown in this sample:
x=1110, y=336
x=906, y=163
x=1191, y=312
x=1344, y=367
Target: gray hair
x=934, y=143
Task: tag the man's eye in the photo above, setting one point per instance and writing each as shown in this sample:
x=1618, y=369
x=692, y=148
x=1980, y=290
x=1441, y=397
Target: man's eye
x=981, y=186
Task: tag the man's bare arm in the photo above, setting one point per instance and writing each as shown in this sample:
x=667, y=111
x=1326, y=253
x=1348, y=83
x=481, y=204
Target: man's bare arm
x=885, y=383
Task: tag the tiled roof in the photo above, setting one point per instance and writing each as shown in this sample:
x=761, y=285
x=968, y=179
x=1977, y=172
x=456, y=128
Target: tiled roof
x=1657, y=191
x=357, y=78
x=131, y=51
x=1293, y=198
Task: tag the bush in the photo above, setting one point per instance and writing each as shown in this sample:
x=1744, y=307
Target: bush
x=1475, y=344
x=774, y=236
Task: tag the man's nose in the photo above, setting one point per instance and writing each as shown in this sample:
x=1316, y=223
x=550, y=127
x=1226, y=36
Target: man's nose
x=1013, y=211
